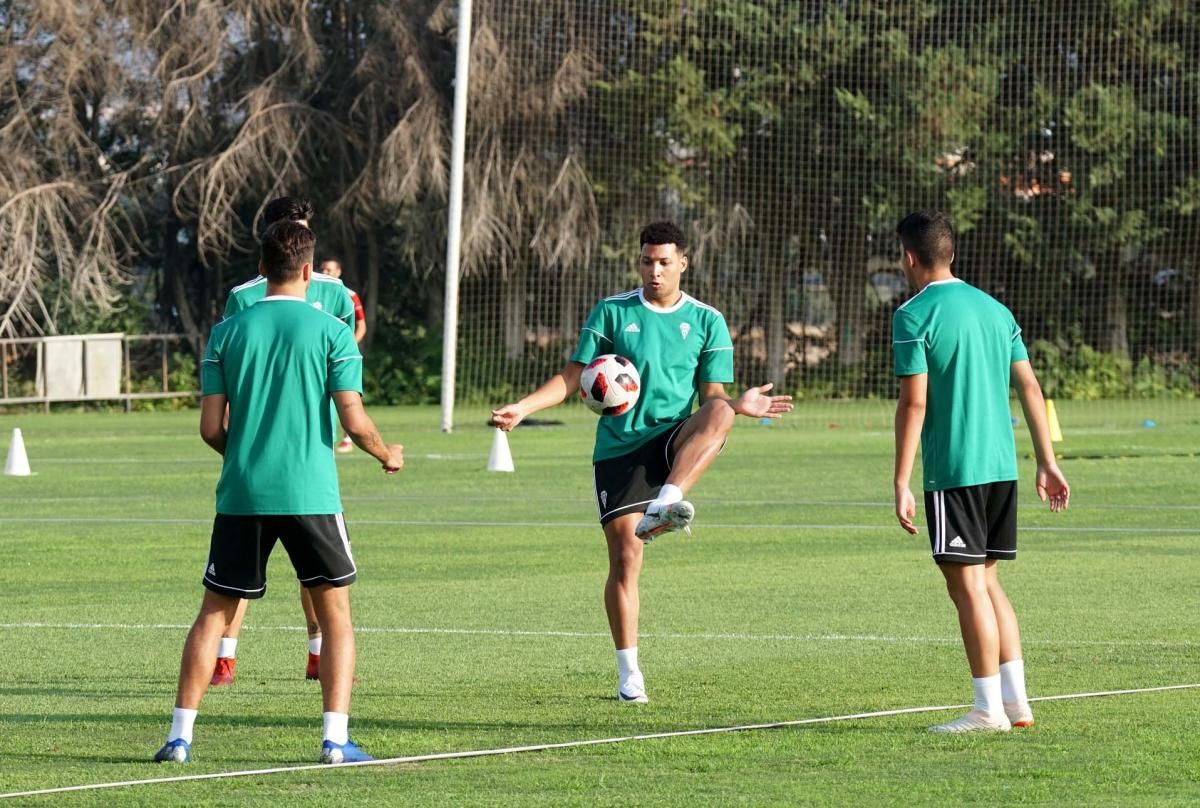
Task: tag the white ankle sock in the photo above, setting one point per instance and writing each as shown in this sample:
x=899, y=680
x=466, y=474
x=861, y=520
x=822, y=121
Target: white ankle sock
x=1012, y=682
x=181, y=724
x=987, y=694
x=667, y=495
x=227, y=648
x=627, y=663
x=314, y=645
x=337, y=727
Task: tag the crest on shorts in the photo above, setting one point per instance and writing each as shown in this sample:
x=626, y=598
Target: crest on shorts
x=603, y=499
x=684, y=329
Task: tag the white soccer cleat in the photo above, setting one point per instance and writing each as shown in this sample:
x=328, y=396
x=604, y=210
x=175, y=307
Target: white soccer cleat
x=1019, y=713
x=975, y=721
x=676, y=516
x=633, y=690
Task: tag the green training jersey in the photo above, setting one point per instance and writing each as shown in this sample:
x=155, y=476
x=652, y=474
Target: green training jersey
x=966, y=341
x=324, y=293
x=279, y=362
x=674, y=350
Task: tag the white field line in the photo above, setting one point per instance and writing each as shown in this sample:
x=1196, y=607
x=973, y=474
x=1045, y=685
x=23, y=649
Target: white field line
x=591, y=635
x=101, y=520
x=544, y=747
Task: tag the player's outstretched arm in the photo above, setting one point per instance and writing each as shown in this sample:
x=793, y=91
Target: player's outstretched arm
x=212, y=421
x=1051, y=484
x=363, y=432
x=555, y=390
x=910, y=417
x=755, y=403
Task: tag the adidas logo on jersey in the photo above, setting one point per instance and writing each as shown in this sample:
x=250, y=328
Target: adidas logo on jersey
x=957, y=542
x=632, y=328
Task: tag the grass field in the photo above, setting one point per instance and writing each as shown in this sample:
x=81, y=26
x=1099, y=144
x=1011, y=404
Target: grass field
x=479, y=606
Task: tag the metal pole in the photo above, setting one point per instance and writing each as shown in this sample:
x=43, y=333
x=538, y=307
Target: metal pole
x=454, y=224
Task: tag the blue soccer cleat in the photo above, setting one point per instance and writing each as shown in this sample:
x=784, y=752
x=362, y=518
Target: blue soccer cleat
x=348, y=752
x=176, y=751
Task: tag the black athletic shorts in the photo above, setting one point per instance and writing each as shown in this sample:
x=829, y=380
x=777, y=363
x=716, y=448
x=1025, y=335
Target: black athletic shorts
x=972, y=524
x=316, y=543
x=627, y=484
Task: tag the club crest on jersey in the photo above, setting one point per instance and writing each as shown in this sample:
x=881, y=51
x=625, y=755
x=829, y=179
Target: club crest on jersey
x=684, y=330
x=317, y=304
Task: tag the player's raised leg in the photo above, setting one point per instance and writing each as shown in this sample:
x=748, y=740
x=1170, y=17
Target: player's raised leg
x=695, y=446
x=622, y=604
x=199, y=656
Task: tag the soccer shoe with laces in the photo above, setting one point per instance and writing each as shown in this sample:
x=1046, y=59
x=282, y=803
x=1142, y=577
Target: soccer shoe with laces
x=975, y=721
x=223, y=673
x=1019, y=713
x=633, y=690
x=348, y=752
x=176, y=751
x=344, y=446
x=313, y=669
x=676, y=516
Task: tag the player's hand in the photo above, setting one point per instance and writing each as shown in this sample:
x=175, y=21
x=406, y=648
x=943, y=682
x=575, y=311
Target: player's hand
x=395, y=460
x=507, y=417
x=1052, y=486
x=757, y=404
x=906, y=508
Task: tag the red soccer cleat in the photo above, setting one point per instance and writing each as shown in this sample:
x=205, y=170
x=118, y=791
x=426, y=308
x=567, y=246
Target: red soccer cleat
x=223, y=673
x=313, y=671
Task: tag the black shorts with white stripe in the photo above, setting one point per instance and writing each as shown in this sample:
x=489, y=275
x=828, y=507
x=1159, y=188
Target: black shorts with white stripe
x=972, y=524
x=317, y=544
x=627, y=484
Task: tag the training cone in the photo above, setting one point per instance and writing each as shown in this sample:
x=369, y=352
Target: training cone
x=500, y=458
x=17, y=464
x=1052, y=420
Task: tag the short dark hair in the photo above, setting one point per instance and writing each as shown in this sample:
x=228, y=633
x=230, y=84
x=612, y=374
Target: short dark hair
x=286, y=247
x=929, y=235
x=286, y=209
x=664, y=233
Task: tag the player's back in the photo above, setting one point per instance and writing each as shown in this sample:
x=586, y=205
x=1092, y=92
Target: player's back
x=276, y=359
x=969, y=341
x=324, y=293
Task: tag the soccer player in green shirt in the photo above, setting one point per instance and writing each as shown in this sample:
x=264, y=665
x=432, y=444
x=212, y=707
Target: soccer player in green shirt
x=646, y=459
x=957, y=351
x=326, y=293
x=277, y=365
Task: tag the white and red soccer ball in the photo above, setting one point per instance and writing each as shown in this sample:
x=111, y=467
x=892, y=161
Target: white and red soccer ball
x=610, y=385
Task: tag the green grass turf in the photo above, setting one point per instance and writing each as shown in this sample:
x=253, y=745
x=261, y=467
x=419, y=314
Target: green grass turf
x=797, y=598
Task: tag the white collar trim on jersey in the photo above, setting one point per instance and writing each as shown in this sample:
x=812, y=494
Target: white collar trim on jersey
x=683, y=298
x=282, y=297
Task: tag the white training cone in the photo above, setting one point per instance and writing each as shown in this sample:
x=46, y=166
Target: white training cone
x=17, y=464
x=500, y=458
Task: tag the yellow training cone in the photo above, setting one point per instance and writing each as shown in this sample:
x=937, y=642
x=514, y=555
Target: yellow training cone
x=1052, y=420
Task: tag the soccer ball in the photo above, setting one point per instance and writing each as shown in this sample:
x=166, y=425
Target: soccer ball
x=610, y=385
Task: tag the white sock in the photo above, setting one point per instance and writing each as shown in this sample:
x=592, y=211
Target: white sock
x=1012, y=682
x=314, y=645
x=181, y=724
x=337, y=727
x=227, y=648
x=627, y=663
x=987, y=694
x=667, y=495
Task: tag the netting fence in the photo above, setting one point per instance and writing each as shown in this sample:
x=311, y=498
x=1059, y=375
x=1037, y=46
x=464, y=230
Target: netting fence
x=787, y=138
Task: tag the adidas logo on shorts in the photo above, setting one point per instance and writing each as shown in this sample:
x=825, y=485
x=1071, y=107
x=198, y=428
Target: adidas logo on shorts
x=957, y=542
